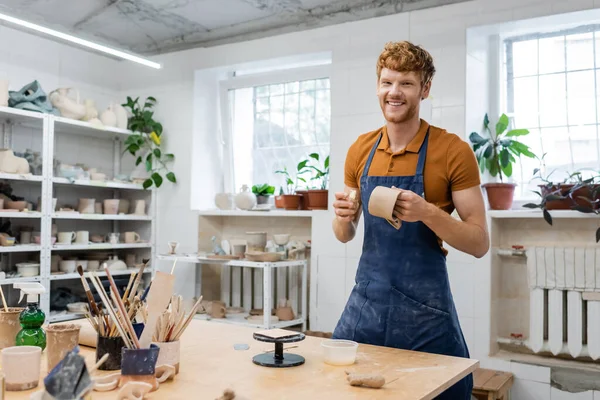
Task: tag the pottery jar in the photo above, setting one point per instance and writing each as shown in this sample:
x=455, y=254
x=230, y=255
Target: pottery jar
x=60, y=339
x=108, y=117
x=169, y=354
x=225, y=201
x=9, y=326
x=113, y=347
x=245, y=199
x=140, y=207
x=21, y=366
x=139, y=365
x=123, y=206
x=256, y=241
x=86, y=206
x=111, y=206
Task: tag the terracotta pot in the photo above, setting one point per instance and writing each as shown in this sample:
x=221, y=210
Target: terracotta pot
x=500, y=195
x=9, y=326
x=291, y=201
x=60, y=339
x=317, y=199
x=304, y=200
x=569, y=202
x=279, y=201
x=169, y=354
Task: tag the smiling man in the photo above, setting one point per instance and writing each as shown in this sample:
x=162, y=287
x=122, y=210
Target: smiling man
x=402, y=295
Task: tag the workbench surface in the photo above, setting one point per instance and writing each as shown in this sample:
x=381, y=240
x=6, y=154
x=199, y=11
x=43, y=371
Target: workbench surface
x=209, y=365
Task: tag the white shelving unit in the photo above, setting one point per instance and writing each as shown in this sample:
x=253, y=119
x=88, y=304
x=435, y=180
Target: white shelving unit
x=257, y=213
x=49, y=135
x=267, y=286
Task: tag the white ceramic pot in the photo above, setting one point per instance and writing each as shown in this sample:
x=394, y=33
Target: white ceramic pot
x=67, y=266
x=3, y=93
x=256, y=241
x=26, y=269
x=225, y=201
x=108, y=117
x=21, y=366
x=168, y=354
x=245, y=199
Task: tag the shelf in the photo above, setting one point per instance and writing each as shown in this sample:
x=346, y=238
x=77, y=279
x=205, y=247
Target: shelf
x=65, y=317
x=100, y=273
x=538, y=214
x=100, y=246
x=240, y=319
x=231, y=263
x=20, y=248
x=20, y=214
x=261, y=213
x=20, y=116
x=82, y=128
x=101, y=217
x=99, y=184
x=9, y=281
x=22, y=177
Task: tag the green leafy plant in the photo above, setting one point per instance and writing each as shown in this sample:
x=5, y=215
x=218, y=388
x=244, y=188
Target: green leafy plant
x=496, y=151
x=292, y=185
x=146, y=140
x=263, y=190
x=321, y=172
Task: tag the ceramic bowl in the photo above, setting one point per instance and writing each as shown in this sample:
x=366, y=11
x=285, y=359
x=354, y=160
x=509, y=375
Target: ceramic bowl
x=281, y=239
x=26, y=269
x=339, y=352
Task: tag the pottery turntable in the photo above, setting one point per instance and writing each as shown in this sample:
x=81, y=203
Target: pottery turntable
x=277, y=359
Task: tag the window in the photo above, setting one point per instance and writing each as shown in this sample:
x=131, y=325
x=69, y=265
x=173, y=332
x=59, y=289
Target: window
x=552, y=86
x=275, y=125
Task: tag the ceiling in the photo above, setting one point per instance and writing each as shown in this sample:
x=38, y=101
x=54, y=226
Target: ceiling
x=159, y=26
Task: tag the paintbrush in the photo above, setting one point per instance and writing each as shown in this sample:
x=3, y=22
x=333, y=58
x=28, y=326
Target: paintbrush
x=88, y=292
x=121, y=308
x=3, y=299
x=137, y=281
x=98, y=285
x=125, y=297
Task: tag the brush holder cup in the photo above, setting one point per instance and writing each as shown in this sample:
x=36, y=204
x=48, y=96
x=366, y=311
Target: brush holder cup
x=169, y=354
x=9, y=327
x=139, y=365
x=112, y=346
x=60, y=339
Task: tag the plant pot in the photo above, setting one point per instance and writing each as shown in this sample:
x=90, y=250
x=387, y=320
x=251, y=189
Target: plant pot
x=262, y=199
x=9, y=327
x=317, y=199
x=500, y=195
x=279, y=201
x=291, y=201
x=303, y=199
x=569, y=202
x=112, y=346
x=60, y=339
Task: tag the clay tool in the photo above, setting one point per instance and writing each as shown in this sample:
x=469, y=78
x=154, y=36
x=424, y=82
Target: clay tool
x=137, y=281
x=99, y=363
x=158, y=299
x=179, y=330
x=3, y=299
x=125, y=297
x=88, y=293
x=173, y=268
x=121, y=308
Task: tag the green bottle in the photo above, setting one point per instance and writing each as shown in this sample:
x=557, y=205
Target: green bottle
x=32, y=318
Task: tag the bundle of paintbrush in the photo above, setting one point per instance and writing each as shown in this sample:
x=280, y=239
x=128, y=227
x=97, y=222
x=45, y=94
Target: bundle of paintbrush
x=172, y=322
x=120, y=310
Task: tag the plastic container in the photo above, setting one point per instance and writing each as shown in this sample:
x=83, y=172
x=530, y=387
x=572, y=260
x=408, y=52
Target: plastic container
x=339, y=351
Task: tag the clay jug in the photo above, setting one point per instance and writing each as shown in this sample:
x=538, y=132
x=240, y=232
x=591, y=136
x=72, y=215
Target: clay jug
x=245, y=199
x=108, y=117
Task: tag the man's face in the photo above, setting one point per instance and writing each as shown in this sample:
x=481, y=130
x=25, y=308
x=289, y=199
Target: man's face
x=400, y=94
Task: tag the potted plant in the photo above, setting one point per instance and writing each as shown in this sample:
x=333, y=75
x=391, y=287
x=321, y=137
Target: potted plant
x=291, y=200
x=496, y=153
x=146, y=140
x=317, y=198
x=263, y=193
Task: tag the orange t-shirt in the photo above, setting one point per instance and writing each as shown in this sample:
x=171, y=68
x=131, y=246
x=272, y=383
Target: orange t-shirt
x=450, y=164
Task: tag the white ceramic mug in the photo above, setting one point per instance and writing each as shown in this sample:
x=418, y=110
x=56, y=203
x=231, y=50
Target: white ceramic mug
x=82, y=237
x=67, y=266
x=66, y=237
x=21, y=365
x=132, y=237
x=112, y=238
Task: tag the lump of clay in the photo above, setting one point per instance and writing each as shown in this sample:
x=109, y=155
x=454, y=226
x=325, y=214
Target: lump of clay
x=367, y=380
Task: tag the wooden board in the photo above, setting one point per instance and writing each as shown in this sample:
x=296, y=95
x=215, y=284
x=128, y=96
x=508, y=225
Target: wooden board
x=209, y=365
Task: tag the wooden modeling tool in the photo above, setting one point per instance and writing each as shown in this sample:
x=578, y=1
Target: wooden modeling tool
x=158, y=300
x=3, y=299
x=173, y=268
x=179, y=330
x=137, y=281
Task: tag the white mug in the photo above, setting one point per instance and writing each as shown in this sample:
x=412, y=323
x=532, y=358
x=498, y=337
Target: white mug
x=66, y=237
x=82, y=237
x=132, y=237
x=112, y=238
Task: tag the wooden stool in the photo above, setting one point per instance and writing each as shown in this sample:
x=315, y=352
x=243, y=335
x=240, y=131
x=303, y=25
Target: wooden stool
x=491, y=385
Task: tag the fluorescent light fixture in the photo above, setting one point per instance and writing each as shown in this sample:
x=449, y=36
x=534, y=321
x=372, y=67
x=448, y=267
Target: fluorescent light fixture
x=79, y=41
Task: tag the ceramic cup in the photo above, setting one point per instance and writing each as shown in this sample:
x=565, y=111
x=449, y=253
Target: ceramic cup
x=86, y=206
x=132, y=237
x=113, y=346
x=66, y=237
x=140, y=207
x=67, y=266
x=382, y=203
x=25, y=237
x=9, y=326
x=60, y=339
x=139, y=365
x=239, y=250
x=257, y=241
x=98, y=208
x=169, y=354
x=83, y=263
x=217, y=309
x=21, y=366
x=111, y=206
x=82, y=237
x=93, y=265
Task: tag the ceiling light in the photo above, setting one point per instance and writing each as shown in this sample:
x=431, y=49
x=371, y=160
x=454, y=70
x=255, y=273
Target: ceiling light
x=79, y=41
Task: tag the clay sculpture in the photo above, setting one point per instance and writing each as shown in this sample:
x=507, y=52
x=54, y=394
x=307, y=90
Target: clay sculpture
x=382, y=203
x=374, y=381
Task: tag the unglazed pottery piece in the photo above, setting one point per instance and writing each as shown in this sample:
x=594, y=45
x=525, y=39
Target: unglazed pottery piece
x=21, y=366
x=111, y=206
x=134, y=391
x=382, y=203
x=86, y=206
x=245, y=199
x=107, y=383
x=217, y=309
x=60, y=339
x=169, y=354
x=124, y=206
x=164, y=372
x=9, y=326
x=256, y=241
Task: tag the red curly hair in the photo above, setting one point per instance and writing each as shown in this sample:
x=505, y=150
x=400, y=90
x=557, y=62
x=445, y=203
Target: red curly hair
x=406, y=57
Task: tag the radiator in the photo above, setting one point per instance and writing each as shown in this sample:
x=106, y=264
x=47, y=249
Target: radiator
x=243, y=287
x=564, y=285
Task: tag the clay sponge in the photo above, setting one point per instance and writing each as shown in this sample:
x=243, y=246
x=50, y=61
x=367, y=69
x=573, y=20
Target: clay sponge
x=382, y=203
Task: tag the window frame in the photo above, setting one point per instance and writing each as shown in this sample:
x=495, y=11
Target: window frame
x=249, y=81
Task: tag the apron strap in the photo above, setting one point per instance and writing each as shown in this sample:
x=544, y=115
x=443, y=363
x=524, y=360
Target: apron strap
x=368, y=164
x=422, y=155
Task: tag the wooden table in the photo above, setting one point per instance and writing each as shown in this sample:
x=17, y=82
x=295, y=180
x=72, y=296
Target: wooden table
x=210, y=364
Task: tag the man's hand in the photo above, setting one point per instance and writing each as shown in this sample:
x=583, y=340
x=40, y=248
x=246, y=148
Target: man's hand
x=411, y=207
x=345, y=207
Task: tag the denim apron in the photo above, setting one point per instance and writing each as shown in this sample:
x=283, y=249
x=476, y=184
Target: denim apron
x=402, y=295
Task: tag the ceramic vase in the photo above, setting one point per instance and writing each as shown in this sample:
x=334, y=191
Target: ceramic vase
x=108, y=117
x=21, y=366
x=245, y=199
x=256, y=241
x=169, y=354
x=9, y=326
x=86, y=206
x=113, y=346
x=111, y=206
x=225, y=201
x=140, y=207
x=139, y=365
x=3, y=93
x=60, y=339
x=121, y=114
